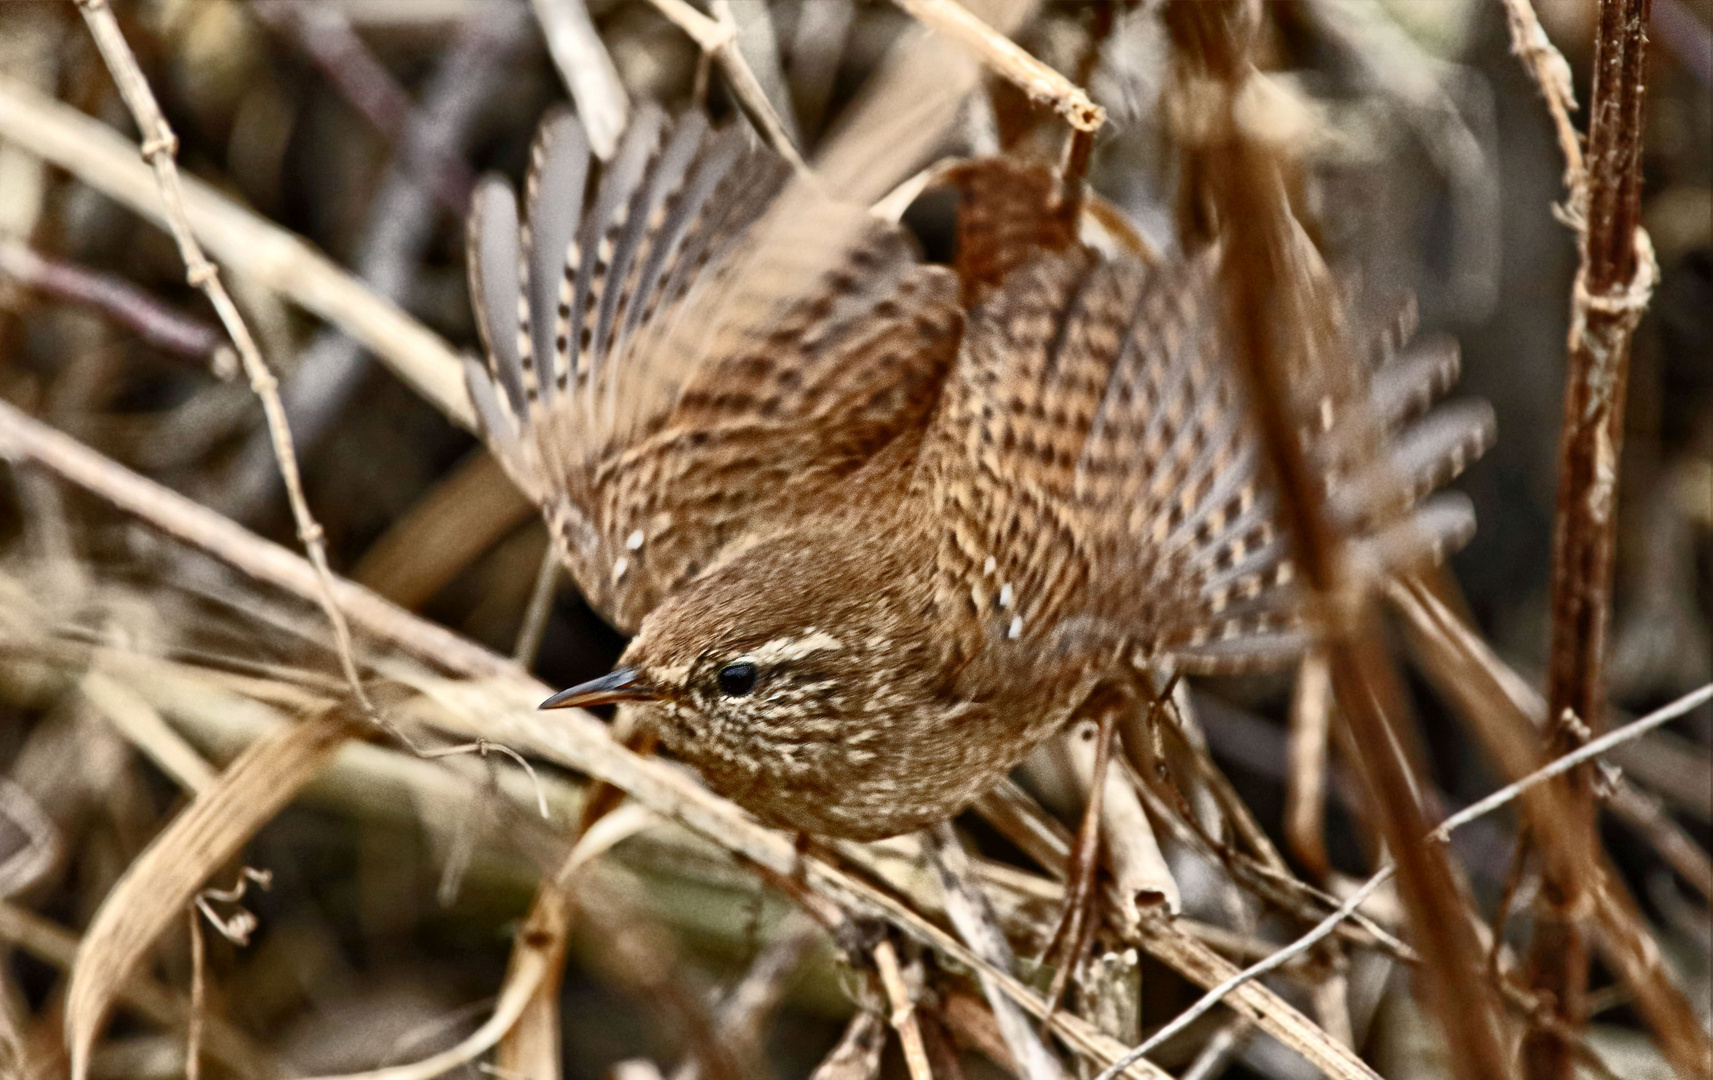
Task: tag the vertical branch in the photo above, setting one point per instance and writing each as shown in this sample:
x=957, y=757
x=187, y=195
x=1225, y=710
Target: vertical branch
x=159, y=147
x=1612, y=287
x=1287, y=340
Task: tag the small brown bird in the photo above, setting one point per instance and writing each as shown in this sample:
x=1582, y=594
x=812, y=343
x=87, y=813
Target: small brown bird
x=877, y=530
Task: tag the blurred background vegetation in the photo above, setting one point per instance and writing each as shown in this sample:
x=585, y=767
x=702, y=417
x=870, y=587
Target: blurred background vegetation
x=360, y=124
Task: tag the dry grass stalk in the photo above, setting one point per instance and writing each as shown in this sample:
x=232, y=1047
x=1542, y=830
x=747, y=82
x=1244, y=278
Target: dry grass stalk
x=1267, y=269
x=57, y=947
x=588, y=71
x=1612, y=289
x=972, y=916
x=249, y=245
x=531, y=1049
x=1040, y=82
x=159, y=148
x=1305, y=787
x=158, y=886
x=903, y=1014
x=1505, y=713
x=120, y=301
x=1254, y=1001
x=718, y=39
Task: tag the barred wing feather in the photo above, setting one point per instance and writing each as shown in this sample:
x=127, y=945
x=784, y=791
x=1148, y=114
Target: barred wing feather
x=692, y=350
x=1101, y=483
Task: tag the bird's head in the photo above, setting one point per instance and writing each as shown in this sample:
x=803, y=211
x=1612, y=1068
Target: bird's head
x=787, y=664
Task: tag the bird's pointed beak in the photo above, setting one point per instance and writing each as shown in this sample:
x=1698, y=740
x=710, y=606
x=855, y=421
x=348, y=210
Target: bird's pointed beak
x=622, y=684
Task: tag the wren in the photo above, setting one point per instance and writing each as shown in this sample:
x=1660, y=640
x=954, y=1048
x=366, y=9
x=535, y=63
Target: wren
x=878, y=529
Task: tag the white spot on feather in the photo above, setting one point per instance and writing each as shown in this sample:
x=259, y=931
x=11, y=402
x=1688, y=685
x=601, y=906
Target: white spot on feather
x=1005, y=597
x=619, y=568
x=1016, y=627
x=634, y=540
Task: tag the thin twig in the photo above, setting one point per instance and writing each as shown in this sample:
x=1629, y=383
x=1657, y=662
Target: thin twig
x=1305, y=778
x=587, y=69
x=903, y=1015
x=758, y=43
x=719, y=40
x=480, y=748
x=121, y=301
x=1040, y=82
x=1552, y=76
x=1586, y=753
x=1494, y=801
x=540, y=607
x=251, y=246
x=1613, y=285
x=198, y=997
x=159, y=147
x=1219, y=1051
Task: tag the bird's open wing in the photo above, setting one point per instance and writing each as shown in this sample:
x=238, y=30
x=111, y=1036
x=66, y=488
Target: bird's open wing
x=1100, y=481
x=687, y=353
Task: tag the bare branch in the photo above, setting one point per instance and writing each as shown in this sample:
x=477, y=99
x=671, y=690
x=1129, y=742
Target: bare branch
x=1613, y=285
x=159, y=147
x=248, y=244
x=1028, y=74
x=903, y=1015
x=588, y=71
x=120, y=301
x=1494, y=801
x=719, y=40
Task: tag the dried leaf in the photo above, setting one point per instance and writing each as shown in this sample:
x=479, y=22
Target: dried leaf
x=156, y=887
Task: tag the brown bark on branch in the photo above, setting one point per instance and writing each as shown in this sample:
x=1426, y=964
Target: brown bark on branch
x=1286, y=336
x=1611, y=291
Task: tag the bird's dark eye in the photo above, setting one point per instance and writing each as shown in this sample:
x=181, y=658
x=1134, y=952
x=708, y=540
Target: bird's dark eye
x=737, y=679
